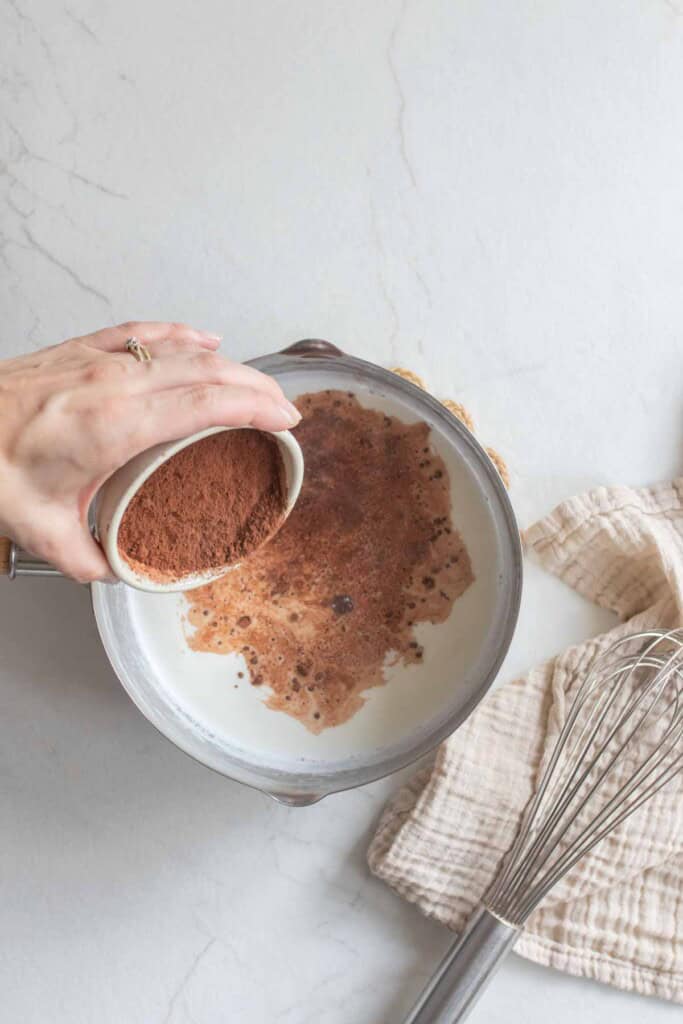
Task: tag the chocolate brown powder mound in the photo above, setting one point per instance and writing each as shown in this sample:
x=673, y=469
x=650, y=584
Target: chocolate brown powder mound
x=209, y=505
x=368, y=552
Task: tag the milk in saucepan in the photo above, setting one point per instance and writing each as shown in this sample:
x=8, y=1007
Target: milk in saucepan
x=211, y=693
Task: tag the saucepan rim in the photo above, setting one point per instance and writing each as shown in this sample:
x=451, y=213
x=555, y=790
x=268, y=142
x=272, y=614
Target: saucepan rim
x=307, y=788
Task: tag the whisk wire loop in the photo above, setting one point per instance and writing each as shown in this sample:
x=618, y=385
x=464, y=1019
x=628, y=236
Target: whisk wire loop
x=620, y=744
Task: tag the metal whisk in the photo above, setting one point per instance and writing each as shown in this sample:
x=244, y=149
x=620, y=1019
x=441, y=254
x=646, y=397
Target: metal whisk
x=621, y=743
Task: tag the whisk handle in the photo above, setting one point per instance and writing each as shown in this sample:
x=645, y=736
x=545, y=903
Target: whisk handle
x=464, y=971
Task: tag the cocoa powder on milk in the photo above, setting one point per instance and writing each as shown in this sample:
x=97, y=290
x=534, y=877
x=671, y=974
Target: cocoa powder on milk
x=368, y=553
x=209, y=505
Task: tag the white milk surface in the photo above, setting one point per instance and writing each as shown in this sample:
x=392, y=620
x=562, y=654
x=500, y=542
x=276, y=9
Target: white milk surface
x=205, y=690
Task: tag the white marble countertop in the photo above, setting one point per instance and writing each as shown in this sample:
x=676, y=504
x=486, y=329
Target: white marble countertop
x=488, y=193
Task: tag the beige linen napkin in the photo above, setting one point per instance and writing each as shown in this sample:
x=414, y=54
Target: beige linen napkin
x=618, y=917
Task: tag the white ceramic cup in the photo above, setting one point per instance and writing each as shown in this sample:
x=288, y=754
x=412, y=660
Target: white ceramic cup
x=119, y=489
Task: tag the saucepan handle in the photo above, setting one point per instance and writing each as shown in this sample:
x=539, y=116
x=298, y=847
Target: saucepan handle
x=464, y=972
x=16, y=562
x=312, y=347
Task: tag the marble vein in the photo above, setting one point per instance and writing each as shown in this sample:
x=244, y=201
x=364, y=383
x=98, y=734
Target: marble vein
x=25, y=152
x=310, y=992
x=84, y=27
x=49, y=57
x=401, y=112
x=4, y=242
x=59, y=208
x=19, y=13
x=421, y=280
x=381, y=259
x=31, y=333
x=24, y=214
x=187, y=977
x=89, y=181
x=69, y=271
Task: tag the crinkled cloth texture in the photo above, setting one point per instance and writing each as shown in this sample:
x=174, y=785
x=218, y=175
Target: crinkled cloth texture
x=618, y=917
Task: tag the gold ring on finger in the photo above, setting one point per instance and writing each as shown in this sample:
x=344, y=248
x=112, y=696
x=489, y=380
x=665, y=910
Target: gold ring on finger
x=138, y=350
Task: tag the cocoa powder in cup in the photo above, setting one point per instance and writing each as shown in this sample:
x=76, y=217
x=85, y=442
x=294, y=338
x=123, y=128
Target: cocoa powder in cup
x=208, y=506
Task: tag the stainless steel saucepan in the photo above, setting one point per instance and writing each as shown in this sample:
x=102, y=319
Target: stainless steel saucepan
x=196, y=699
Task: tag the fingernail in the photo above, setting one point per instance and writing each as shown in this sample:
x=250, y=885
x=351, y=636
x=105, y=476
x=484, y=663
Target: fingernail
x=212, y=336
x=291, y=412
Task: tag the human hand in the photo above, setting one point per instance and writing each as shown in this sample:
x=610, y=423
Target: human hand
x=70, y=415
